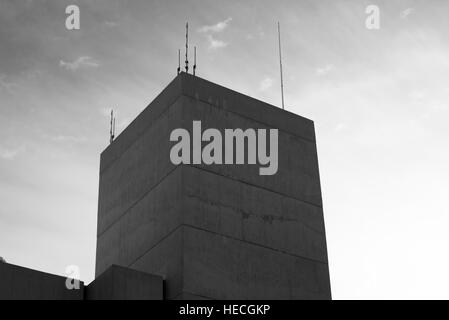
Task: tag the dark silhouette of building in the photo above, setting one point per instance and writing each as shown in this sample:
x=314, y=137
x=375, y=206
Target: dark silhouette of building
x=214, y=231
x=18, y=283
x=209, y=231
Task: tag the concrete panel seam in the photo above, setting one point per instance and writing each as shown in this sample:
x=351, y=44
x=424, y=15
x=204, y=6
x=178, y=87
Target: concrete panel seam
x=257, y=186
x=229, y=237
x=175, y=100
x=268, y=105
x=137, y=201
x=195, y=294
x=155, y=245
x=241, y=211
x=248, y=118
x=257, y=244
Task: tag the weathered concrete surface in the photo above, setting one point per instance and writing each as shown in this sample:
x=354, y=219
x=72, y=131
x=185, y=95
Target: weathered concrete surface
x=297, y=175
x=220, y=267
x=18, y=283
x=119, y=283
x=116, y=283
x=166, y=258
x=208, y=265
x=253, y=214
x=219, y=231
x=142, y=226
x=140, y=168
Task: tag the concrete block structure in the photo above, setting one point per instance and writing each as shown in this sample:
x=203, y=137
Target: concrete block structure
x=116, y=283
x=214, y=231
x=119, y=283
x=19, y=283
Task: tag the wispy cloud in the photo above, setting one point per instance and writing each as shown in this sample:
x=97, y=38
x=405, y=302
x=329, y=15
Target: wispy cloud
x=10, y=153
x=404, y=14
x=257, y=35
x=324, y=70
x=215, y=43
x=417, y=95
x=5, y=84
x=439, y=107
x=340, y=126
x=66, y=138
x=218, y=27
x=111, y=24
x=84, y=61
x=266, y=84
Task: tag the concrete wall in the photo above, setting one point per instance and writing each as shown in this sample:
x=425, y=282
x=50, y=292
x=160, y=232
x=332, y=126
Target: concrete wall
x=219, y=231
x=18, y=283
x=116, y=283
x=119, y=283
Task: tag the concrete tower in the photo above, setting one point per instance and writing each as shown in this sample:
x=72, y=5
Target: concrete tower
x=214, y=231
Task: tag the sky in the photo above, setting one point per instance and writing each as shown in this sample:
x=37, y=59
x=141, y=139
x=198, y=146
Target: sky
x=379, y=99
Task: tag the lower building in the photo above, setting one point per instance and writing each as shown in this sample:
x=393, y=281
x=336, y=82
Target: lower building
x=116, y=283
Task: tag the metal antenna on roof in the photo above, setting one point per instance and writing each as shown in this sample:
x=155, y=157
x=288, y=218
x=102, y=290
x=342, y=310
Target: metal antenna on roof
x=194, y=60
x=187, y=47
x=280, y=65
x=179, y=61
x=112, y=127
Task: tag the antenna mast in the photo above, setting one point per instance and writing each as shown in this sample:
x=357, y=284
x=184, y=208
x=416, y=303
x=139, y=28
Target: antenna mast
x=280, y=65
x=112, y=128
x=187, y=47
x=179, y=61
x=194, y=60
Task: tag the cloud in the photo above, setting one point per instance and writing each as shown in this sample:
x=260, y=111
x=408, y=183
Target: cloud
x=10, y=154
x=5, y=84
x=439, y=107
x=266, y=84
x=68, y=139
x=84, y=61
x=324, y=70
x=417, y=95
x=340, y=126
x=404, y=14
x=110, y=24
x=219, y=27
x=258, y=35
x=215, y=43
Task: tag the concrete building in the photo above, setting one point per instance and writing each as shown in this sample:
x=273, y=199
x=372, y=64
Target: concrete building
x=214, y=231
x=202, y=231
